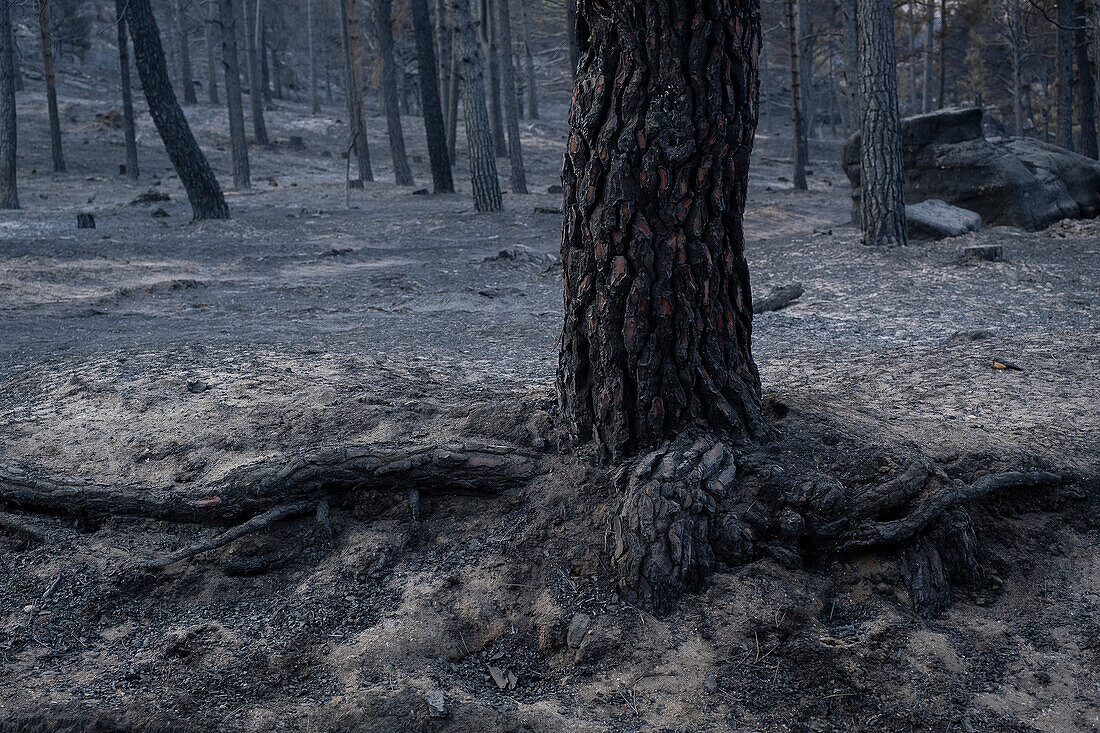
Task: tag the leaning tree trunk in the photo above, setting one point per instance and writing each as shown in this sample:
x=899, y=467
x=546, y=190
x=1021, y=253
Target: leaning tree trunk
x=255, y=83
x=511, y=113
x=314, y=99
x=1087, y=105
x=209, y=28
x=128, y=131
x=194, y=171
x=349, y=23
x=1064, y=67
x=51, y=88
x=429, y=99
x=242, y=177
x=658, y=312
x=383, y=27
x=9, y=196
x=185, y=55
x=795, y=16
x=479, y=136
x=882, y=202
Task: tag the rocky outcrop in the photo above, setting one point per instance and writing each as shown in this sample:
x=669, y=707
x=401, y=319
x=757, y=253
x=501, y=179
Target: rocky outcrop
x=935, y=219
x=1007, y=181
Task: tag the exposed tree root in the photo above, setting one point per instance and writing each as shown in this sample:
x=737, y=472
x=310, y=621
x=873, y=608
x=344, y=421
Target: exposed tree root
x=260, y=486
x=21, y=530
x=683, y=511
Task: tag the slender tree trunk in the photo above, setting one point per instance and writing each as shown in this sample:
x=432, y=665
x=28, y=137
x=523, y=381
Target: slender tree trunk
x=798, y=122
x=529, y=59
x=941, y=102
x=491, y=48
x=255, y=82
x=658, y=311
x=383, y=26
x=186, y=79
x=1064, y=66
x=452, y=103
x=1016, y=33
x=443, y=44
x=51, y=87
x=262, y=49
x=882, y=177
x=767, y=90
x=242, y=176
x=129, y=133
x=353, y=63
x=9, y=191
x=209, y=28
x=442, y=180
x=511, y=113
x=929, y=42
x=806, y=43
x=571, y=36
x=194, y=172
x=479, y=136
x=314, y=99
x=1088, y=91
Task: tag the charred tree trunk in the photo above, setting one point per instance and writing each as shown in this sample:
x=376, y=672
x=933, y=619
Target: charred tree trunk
x=511, y=113
x=242, y=177
x=1087, y=105
x=941, y=101
x=314, y=99
x=571, y=36
x=795, y=15
x=492, y=59
x=194, y=171
x=443, y=45
x=479, y=135
x=129, y=133
x=9, y=196
x=383, y=26
x=452, y=103
x=354, y=87
x=442, y=180
x=51, y=88
x=529, y=59
x=255, y=83
x=209, y=28
x=186, y=79
x=658, y=312
x=1064, y=67
x=882, y=203
x=929, y=40
x=262, y=48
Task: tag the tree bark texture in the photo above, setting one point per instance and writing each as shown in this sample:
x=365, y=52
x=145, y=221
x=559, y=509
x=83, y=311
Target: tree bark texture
x=242, y=177
x=194, y=171
x=255, y=83
x=453, y=97
x=9, y=195
x=209, y=29
x=1087, y=106
x=383, y=26
x=571, y=36
x=186, y=79
x=128, y=131
x=529, y=65
x=1063, y=133
x=491, y=49
x=799, y=153
x=51, y=87
x=353, y=61
x=658, y=310
x=479, y=135
x=511, y=111
x=443, y=44
x=882, y=205
x=434, y=128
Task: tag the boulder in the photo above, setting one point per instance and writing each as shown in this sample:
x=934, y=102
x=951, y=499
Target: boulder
x=935, y=219
x=1007, y=181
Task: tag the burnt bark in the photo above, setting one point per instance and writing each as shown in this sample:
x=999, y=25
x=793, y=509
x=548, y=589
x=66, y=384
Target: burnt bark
x=209, y=29
x=882, y=203
x=194, y=171
x=443, y=48
x=434, y=128
x=799, y=152
x=479, y=136
x=51, y=88
x=9, y=195
x=353, y=85
x=249, y=11
x=128, y=131
x=314, y=99
x=529, y=65
x=186, y=79
x=383, y=26
x=1087, y=106
x=490, y=47
x=658, y=310
x=1063, y=133
x=511, y=111
x=242, y=177
x=571, y=36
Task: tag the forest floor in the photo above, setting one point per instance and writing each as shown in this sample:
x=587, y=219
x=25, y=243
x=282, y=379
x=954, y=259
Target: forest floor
x=154, y=351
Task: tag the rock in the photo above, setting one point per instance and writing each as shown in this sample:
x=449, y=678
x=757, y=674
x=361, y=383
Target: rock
x=547, y=210
x=498, y=676
x=1007, y=181
x=984, y=253
x=420, y=192
x=160, y=213
x=437, y=704
x=578, y=630
x=936, y=219
x=197, y=387
x=710, y=682
x=85, y=220
x=556, y=188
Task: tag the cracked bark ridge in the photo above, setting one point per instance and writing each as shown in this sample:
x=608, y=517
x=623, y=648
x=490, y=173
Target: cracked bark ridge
x=658, y=310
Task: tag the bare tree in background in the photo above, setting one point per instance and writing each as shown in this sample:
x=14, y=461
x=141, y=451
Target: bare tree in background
x=434, y=128
x=529, y=59
x=511, y=113
x=1087, y=102
x=250, y=11
x=349, y=23
x=128, y=128
x=314, y=99
x=882, y=205
x=242, y=176
x=479, y=136
x=186, y=79
x=929, y=42
x=9, y=196
x=490, y=48
x=51, y=86
x=383, y=29
x=1064, y=66
x=209, y=14
x=795, y=18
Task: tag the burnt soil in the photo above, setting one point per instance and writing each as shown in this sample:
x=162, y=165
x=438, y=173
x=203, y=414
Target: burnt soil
x=154, y=351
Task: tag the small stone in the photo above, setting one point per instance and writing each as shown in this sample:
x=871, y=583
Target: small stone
x=160, y=214
x=578, y=630
x=197, y=387
x=710, y=682
x=437, y=704
x=984, y=253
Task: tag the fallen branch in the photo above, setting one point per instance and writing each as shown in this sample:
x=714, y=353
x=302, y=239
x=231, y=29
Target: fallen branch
x=778, y=298
x=20, y=529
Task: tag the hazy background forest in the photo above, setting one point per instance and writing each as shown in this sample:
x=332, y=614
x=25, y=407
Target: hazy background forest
x=373, y=285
